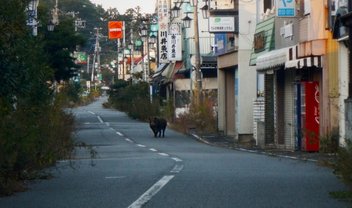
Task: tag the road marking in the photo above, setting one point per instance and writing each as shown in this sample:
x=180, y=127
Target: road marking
x=176, y=159
x=127, y=139
x=107, y=124
x=141, y=145
x=118, y=133
x=101, y=120
x=151, y=191
x=114, y=177
x=178, y=168
x=163, y=154
x=152, y=149
x=91, y=112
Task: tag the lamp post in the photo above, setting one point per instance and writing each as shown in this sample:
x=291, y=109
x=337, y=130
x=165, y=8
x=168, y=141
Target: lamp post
x=144, y=32
x=197, y=59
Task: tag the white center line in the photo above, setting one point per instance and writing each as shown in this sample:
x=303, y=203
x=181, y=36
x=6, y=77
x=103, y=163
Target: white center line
x=163, y=154
x=178, y=168
x=114, y=177
x=152, y=149
x=151, y=192
x=119, y=133
x=141, y=145
x=176, y=159
x=127, y=139
x=101, y=120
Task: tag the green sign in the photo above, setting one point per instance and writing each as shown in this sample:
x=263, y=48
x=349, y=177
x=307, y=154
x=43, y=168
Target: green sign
x=138, y=43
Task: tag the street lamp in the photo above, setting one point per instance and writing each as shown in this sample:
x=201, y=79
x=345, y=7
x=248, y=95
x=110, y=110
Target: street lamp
x=50, y=26
x=186, y=21
x=205, y=10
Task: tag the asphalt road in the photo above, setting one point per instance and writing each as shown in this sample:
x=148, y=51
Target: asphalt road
x=134, y=169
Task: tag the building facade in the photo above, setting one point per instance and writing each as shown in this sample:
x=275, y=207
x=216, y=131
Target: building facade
x=236, y=80
x=295, y=51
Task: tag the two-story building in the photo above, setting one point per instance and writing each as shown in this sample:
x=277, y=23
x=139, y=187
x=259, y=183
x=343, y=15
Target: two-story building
x=294, y=51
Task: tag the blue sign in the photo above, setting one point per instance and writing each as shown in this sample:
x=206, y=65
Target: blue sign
x=286, y=8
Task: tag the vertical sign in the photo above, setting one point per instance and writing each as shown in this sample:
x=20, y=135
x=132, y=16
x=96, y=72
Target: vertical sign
x=175, y=47
x=32, y=16
x=163, y=19
x=286, y=8
x=115, y=29
x=174, y=43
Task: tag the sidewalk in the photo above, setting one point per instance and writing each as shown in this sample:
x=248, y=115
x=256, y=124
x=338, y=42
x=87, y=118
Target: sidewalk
x=229, y=142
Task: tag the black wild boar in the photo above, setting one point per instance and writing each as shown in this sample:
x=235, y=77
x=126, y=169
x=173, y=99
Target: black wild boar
x=158, y=126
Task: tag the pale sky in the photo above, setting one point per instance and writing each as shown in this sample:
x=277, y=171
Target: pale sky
x=147, y=6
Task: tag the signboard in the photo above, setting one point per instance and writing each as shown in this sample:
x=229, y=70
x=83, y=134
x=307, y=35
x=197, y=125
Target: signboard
x=221, y=24
x=163, y=22
x=286, y=8
x=220, y=41
x=174, y=44
x=81, y=57
x=115, y=29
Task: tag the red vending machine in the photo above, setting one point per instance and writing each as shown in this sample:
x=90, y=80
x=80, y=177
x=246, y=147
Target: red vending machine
x=310, y=116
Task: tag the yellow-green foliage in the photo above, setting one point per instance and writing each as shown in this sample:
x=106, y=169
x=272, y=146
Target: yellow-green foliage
x=200, y=117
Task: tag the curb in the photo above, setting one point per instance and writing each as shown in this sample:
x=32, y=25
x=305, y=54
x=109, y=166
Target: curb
x=255, y=151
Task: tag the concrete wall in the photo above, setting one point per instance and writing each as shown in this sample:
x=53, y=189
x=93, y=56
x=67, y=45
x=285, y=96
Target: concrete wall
x=246, y=75
x=343, y=88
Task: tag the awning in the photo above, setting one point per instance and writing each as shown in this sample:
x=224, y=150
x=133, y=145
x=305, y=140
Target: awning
x=160, y=69
x=168, y=70
x=272, y=59
x=314, y=61
x=267, y=42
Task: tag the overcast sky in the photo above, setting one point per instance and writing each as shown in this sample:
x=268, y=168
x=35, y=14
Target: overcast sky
x=147, y=6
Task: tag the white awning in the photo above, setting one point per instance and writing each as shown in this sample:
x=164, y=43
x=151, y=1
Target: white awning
x=316, y=61
x=272, y=59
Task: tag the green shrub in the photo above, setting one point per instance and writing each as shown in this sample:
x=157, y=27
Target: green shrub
x=31, y=139
x=343, y=166
x=329, y=143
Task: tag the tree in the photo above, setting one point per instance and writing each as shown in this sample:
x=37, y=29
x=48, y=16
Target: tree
x=59, y=45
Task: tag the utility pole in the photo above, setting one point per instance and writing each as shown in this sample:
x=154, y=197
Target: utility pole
x=96, y=55
x=131, y=53
x=197, y=55
x=55, y=13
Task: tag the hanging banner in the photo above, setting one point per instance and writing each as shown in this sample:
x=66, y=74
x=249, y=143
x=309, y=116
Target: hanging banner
x=174, y=44
x=115, y=29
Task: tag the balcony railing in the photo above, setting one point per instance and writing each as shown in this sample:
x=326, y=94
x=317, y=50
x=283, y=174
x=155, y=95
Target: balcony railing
x=206, y=45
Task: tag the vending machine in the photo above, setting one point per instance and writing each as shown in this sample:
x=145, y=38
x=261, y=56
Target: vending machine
x=310, y=113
